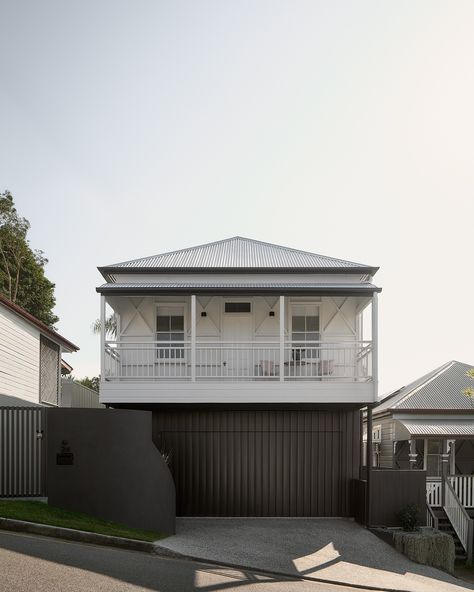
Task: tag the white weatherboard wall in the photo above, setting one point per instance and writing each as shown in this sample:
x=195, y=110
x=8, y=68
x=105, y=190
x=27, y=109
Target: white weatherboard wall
x=138, y=316
x=19, y=357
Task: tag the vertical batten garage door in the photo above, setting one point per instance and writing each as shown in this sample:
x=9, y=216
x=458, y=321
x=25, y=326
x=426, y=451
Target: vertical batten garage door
x=261, y=463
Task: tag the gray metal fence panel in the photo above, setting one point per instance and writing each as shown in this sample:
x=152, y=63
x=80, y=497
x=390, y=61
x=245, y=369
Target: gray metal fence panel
x=22, y=470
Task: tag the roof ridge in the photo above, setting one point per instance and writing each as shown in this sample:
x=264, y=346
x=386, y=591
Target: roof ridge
x=435, y=373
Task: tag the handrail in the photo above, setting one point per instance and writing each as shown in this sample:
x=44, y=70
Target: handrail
x=296, y=343
x=431, y=518
x=459, y=518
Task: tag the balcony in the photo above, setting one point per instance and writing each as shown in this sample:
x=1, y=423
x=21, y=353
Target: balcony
x=206, y=361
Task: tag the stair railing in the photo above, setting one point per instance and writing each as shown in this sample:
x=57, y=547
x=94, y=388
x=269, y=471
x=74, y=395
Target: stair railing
x=459, y=518
x=431, y=518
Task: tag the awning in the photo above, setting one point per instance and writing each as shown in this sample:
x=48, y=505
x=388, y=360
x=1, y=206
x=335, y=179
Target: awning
x=234, y=287
x=448, y=428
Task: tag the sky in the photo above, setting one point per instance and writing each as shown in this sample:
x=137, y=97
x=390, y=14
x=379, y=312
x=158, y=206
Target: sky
x=339, y=127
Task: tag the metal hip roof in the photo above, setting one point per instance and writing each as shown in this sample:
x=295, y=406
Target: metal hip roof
x=240, y=253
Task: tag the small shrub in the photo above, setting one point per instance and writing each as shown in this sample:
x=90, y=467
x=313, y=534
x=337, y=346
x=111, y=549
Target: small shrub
x=409, y=518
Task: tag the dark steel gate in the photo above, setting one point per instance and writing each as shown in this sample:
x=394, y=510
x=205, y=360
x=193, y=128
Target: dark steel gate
x=261, y=463
x=22, y=465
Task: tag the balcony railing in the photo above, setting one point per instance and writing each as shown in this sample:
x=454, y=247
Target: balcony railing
x=238, y=361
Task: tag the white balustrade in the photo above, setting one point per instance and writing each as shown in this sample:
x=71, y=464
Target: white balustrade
x=315, y=360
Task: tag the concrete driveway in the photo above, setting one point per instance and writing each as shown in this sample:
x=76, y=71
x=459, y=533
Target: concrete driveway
x=336, y=550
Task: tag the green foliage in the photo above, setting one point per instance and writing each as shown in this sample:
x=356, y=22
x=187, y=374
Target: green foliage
x=44, y=514
x=92, y=383
x=22, y=278
x=110, y=326
x=469, y=392
x=409, y=518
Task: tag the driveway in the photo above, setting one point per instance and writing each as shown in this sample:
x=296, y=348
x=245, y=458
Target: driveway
x=45, y=564
x=336, y=550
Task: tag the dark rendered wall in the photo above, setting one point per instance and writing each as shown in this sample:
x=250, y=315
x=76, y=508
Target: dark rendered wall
x=115, y=472
x=261, y=462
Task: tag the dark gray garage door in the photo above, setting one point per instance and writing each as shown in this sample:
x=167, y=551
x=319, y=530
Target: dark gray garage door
x=261, y=463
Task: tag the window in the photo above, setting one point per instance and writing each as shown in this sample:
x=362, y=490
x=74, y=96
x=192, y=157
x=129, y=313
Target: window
x=304, y=330
x=433, y=458
x=237, y=307
x=170, y=332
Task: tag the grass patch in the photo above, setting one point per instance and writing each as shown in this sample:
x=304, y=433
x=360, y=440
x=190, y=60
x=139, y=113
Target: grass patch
x=44, y=514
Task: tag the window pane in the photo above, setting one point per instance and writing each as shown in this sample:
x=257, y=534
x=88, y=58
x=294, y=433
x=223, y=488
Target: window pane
x=312, y=336
x=312, y=323
x=162, y=336
x=298, y=323
x=299, y=336
x=177, y=323
x=162, y=323
x=434, y=446
x=177, y=337
x=237, y=307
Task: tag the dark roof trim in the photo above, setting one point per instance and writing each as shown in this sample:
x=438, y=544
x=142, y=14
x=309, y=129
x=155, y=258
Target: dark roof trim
x=432, y=411
x=218, y=270
x=21, y=312
x=246, y=290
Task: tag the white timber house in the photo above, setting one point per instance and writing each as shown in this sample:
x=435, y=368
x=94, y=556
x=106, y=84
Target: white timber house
x=239, y=320
x=30, y=358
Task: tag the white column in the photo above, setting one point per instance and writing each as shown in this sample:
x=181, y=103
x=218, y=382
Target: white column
x=102, y=337
x=282, y=338
x=193, y=338
x=375, y=345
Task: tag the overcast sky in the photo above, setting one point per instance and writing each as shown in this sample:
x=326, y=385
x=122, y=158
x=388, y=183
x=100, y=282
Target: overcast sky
x=344, y=128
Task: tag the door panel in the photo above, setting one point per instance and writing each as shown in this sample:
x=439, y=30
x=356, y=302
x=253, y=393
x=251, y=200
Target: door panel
x=261, y=463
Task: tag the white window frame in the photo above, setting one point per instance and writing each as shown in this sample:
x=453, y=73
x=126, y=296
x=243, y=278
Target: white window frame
x=292, y=305
x=182, y=305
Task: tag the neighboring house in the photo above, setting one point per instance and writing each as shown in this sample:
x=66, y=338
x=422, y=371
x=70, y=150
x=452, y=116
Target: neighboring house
x=429, y=424
x=255, y=362
x=30, y=358
x=430, y=417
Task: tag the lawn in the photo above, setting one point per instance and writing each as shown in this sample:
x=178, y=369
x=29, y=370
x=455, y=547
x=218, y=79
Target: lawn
x=44, y=514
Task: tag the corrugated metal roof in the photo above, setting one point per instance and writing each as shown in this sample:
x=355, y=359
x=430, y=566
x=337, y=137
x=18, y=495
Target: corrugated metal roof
x=343, y=287
x=239, y=253
x=440, y=389
x=450, y=427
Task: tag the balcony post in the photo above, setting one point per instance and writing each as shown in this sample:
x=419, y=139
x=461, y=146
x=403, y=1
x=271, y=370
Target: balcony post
x=102, y=337
x=282, y=338
x=193, y=337
x=375, y=345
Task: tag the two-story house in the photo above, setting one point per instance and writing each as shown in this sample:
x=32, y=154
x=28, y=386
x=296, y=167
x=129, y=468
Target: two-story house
x=255, y=360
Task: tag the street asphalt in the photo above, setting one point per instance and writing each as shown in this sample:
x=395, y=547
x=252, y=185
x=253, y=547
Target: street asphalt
x=40, y=564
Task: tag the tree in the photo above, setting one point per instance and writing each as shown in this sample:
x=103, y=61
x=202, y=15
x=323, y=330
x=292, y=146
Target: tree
x=92, y=383
x=110, y=326
x=22, y=277
x=469, y=392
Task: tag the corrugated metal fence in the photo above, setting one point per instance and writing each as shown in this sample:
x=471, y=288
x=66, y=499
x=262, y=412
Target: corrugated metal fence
x=22, y=467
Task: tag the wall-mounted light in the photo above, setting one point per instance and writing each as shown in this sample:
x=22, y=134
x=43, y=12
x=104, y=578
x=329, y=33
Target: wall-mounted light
x=271, y=313
x=204, y=313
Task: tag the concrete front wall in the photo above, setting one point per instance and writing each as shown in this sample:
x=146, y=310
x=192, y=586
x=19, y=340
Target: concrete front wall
x=138, y=316
x=117, y=473
x=19, y=357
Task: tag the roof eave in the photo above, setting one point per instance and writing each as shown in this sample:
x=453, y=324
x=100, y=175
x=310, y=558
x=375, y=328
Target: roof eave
x=232, y=290
x=105, y=270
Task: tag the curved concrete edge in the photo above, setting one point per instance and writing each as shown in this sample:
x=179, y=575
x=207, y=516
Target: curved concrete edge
x=70, y=534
